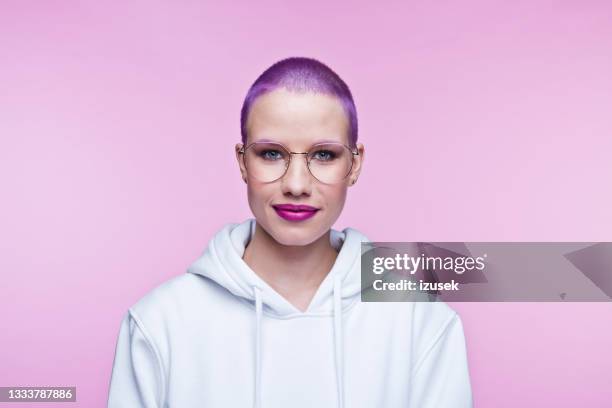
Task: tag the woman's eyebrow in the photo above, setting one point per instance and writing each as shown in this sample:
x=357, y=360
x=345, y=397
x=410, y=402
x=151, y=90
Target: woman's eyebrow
x=315, y=142
x=266, y=140
x=327, y=141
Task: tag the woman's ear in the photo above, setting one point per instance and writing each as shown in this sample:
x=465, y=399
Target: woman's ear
x=357, y=164
x=239, y=155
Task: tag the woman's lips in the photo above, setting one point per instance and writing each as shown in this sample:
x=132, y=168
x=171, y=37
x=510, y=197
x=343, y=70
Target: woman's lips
x=295, y=213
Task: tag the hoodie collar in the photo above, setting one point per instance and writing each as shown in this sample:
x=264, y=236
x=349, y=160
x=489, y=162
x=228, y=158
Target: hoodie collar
x=222, y=262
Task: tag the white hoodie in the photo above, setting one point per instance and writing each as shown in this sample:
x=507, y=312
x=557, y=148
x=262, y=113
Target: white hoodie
x=220, y=337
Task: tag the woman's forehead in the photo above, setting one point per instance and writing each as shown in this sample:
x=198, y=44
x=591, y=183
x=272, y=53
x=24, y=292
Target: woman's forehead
x=300, y=119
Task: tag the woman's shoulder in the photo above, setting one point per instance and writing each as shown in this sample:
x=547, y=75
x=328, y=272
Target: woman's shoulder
x=175, y=298
x=433, y=314
x=433, y=321
x=164, y=292
x=428, y=321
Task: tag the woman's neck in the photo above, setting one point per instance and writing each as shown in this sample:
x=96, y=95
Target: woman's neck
x=295, y=272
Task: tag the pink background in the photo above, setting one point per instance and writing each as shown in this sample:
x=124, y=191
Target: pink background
x=482, y=121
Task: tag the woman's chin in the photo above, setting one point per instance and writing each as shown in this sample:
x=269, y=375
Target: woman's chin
x=300, y=238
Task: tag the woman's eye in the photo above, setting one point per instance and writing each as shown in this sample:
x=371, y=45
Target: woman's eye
x=324, y=155
x=271, y=154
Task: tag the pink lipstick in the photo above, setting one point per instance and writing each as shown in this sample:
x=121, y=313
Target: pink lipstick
x=291, y=212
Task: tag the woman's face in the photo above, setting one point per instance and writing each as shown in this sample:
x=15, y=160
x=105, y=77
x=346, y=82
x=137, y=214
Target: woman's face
x=298, y=121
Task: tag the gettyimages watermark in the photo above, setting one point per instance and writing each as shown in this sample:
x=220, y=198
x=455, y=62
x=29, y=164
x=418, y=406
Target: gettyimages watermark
x=486, y=271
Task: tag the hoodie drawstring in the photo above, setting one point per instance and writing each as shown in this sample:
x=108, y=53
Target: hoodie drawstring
x=258, y=311
x=338, y=345
x=338, y=341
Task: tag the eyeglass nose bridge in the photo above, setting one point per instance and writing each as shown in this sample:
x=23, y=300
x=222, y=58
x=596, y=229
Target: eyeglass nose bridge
x=289, y=164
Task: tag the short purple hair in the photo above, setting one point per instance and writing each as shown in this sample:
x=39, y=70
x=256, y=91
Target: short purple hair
x=301, y=74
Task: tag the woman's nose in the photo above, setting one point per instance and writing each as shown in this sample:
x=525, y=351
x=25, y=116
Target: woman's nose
x=297, y=178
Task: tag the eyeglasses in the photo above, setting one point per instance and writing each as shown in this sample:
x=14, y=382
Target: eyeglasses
x=327, y=162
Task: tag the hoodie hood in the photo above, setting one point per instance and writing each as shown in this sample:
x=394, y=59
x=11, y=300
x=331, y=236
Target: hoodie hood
x=222, y=262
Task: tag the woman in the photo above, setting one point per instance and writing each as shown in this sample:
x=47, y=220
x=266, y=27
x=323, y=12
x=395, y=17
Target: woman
x=270, y=315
